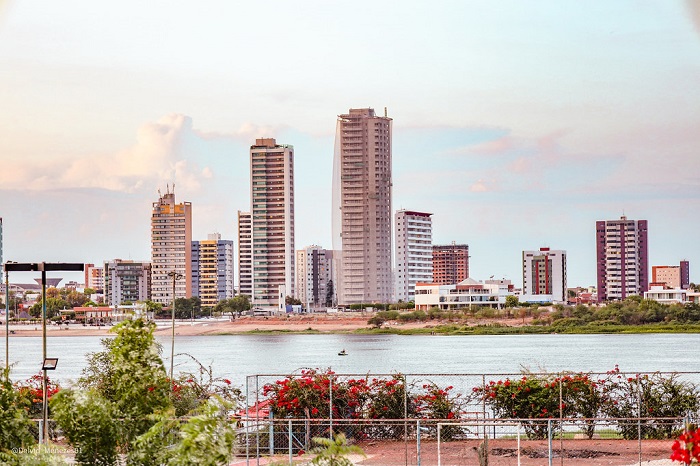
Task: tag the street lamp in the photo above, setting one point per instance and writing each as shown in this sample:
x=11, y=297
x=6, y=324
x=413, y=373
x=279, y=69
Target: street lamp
x=7, y=316
x=175, y=276
x=43, y=267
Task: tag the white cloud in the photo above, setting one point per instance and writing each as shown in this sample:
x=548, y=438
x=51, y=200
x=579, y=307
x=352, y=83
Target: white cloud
x=157, y=157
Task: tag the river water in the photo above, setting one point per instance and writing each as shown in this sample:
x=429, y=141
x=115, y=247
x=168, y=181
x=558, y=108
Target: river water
x=237, y=356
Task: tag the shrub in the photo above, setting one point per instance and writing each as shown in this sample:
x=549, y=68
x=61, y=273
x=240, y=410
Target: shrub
x=14, y=421
x=650, y=396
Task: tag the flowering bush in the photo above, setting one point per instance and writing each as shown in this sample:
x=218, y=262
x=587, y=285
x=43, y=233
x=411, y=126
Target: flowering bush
x=530, y=398
x=580, y=397
x=436, y=403
x=192, y=390
x=309, y=396
x=649, y=396
x=32, y=393
x=686, y=449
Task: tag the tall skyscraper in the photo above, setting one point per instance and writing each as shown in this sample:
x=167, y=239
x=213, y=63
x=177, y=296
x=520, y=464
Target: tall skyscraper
x=362, y=207
x=414, y=252
x=171, y=248
x=212, y=269
x=315, y=277
x=544, y=275
x=271, y=222
x=245, y=254
x=622, y=258
x=450, y=263
x=126, y=281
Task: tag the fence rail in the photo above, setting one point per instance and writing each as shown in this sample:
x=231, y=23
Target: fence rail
x=641, y=432
x=389, y=442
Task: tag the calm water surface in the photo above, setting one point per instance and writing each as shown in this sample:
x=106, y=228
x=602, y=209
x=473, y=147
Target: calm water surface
x=237, y=356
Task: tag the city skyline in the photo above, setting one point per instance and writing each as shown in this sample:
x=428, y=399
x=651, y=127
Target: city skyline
x=518, y=126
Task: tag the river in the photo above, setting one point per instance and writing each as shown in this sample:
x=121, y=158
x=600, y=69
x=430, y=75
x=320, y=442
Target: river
x=236, y=356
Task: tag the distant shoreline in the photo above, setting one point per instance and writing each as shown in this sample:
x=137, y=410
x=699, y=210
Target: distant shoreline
x=344, y=324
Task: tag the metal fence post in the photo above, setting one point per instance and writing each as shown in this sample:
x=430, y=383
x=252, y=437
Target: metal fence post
x=289, y=429
x=439, y=426
x=330, y=388
x=257, y=421
x=405, y=417
x=549, y=441
x=483, y=400
x=247, y=422
x=639, y=420
x=271, y=430
x=418, y=442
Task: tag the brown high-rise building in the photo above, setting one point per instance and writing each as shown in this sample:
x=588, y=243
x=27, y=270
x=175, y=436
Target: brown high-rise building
x=171, y=240
x=450, y=264
x=362, y=213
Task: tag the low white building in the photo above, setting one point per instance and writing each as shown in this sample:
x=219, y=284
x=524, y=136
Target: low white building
x=468, y=294
x=667, y=295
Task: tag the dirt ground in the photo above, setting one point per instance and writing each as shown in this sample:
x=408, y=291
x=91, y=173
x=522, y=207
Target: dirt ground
x=505, y=452
x=502, y=453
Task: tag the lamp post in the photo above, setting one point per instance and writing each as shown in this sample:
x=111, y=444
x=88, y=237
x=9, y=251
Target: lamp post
x=175, y=276
x=7, y=317
x=44, y=267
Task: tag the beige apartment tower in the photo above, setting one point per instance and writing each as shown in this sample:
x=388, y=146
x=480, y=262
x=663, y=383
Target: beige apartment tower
x=271, y=224
x=171, y=239
x=362, y=213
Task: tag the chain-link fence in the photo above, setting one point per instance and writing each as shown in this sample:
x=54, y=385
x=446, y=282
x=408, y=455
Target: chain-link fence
x=475, y=426
x=495, y=442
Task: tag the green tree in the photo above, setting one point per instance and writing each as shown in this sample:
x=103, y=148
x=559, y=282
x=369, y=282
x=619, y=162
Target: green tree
x=512, y=301
x=376, y=321
x=127, y=381
x=186, y=308
x=234, y=306
x=53, y=306
x=90, y=423
x=76, y=299
x=290, y=300
x=154, y=307
x=15, y=426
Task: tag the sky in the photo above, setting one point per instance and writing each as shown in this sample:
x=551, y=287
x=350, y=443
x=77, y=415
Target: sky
x=517, y=124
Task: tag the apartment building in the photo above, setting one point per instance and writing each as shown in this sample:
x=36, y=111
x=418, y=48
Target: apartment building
x=450, y=263
x=212, y=270
x=414, y=252
x=271, y=225
x=362, y=212
x=671, y=276
x=544, y=276
x=94, y=277
x=126, y=281
x=245, y=253
x=171, y=240
x=622, y=258
x=315, y=277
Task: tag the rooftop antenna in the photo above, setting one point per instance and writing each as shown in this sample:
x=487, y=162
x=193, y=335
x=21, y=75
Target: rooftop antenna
x=385, y=114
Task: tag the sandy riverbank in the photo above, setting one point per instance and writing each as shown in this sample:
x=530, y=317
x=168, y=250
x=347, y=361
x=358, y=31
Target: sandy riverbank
x=296, y=323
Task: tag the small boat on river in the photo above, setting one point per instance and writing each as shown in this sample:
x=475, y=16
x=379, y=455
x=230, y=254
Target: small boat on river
x=342, y=353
